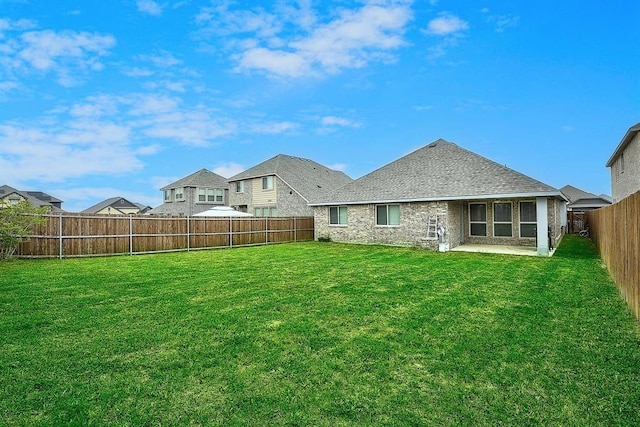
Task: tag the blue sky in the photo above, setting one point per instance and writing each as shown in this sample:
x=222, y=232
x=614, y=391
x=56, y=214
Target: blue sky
x=101, y=99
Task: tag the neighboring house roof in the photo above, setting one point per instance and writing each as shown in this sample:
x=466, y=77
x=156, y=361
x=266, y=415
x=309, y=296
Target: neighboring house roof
x=628, y=137
x=438, y=171
x=308, y=178
x=582, y=200
x=36, y=198
x=201, y=178
x=116, y=203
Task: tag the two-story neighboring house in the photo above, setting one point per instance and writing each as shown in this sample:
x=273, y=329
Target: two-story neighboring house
x=193, y=194
x=625, y=165
x=117, y=206
x=11, y=196
x=283, y=186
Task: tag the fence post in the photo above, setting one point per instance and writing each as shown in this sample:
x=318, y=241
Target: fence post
x=130, y=235
x=295, y=229
x=230, y=232
x=60, y=235
x=266, y=230
x=188, y=235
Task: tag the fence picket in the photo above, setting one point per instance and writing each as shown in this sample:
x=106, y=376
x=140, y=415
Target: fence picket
x=615, y=231
x=80, y=235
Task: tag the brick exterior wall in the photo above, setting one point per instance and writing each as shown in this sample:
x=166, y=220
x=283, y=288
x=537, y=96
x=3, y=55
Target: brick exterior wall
x=624, y=183
x=412, y=231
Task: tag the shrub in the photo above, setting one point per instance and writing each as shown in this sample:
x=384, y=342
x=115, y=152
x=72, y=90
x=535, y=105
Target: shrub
x=16, y=223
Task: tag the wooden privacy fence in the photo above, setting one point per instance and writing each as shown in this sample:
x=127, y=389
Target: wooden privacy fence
x=615, y=230
x=77, y=235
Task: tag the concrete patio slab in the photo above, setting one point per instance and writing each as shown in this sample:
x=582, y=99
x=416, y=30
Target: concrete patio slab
x=497, y=249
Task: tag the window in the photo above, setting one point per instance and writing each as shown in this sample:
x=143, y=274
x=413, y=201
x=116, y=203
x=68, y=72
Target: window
x=267, y=211
x=205, y=194
x=502, y=222
x=388, y=215
x=239, y=186
x=180, y=193
x=13, y=201
x=338, y=215
x=477, y=219
x=528, y=219
x=267, y=182
x=167, y=195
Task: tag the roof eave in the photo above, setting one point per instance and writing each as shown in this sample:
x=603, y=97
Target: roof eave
x=556, y=194
x=628, y=137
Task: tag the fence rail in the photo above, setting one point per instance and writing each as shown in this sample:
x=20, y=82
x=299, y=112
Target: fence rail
x=78, y=235
x=615, y=230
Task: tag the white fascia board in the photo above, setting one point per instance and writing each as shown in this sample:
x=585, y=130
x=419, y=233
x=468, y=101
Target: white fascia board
x=557, y=194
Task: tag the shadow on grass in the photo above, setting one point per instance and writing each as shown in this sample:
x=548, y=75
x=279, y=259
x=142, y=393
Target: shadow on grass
x=576, y=247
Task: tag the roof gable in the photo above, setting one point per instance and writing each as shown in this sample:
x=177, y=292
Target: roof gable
x=114, y=202
x=628, y=137
x=201, y=178
x=306, y=177
x=438, y=171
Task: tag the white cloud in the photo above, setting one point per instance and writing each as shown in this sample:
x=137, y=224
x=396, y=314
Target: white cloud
x=503, y=22
x=150, y=7
x=70, y=55
x=446, y=25
x=229, y=169
x=339, y=167
x=274, y=128
x=339, y=121
x=298, y=44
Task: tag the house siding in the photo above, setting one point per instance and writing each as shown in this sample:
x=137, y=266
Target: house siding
x=626, y=182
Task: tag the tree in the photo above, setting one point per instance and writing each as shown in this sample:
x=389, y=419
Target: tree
x=16, y=224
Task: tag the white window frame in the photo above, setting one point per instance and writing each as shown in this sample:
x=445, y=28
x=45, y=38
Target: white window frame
x=388, y=215
x=521, y=222
x=180, y=194
x=478, y=222
x=239, y=186
x=340, y=211
x=167, y=195
x=267, y=183
x=503, y=222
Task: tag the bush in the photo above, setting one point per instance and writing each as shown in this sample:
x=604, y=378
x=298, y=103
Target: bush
x=16, y=223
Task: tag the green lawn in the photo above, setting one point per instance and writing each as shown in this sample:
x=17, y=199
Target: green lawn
x=317, y=334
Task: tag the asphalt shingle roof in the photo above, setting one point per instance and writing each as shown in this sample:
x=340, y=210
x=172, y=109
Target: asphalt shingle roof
x=438, y=171
x=111, y=202
x=201, y=178
x=308, y=178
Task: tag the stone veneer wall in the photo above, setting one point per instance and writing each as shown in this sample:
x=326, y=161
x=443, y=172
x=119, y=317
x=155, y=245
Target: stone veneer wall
x=624, y=183
x=412, y=230
x=291, y=203
x=361, y=226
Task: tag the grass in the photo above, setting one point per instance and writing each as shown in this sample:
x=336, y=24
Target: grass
x=317, y=334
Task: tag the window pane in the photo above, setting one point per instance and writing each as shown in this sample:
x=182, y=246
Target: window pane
x=478, y=212
x=502, y=212
x=528, y=230
x=528, y=212
x=478, y=229
x=381, y=215
x=343, y=215
x=333, y=215
x=394, y=215
x=267, y=183
x=258, y=211
x=218, y=194
x=274, y=212
x=502, y=230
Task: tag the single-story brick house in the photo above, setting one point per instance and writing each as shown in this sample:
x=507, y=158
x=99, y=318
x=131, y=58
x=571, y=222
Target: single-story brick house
x=442, y=193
